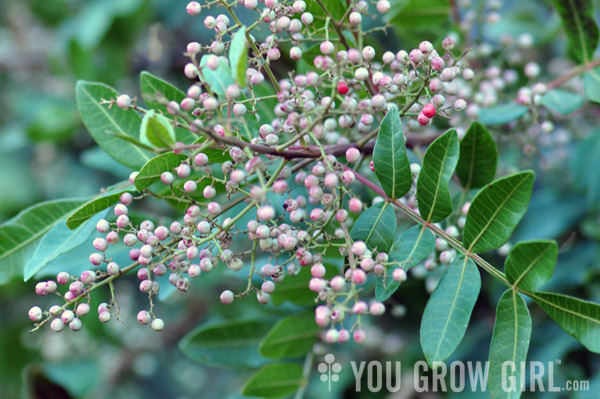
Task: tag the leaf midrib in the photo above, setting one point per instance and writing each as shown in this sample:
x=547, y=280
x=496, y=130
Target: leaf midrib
x=438, y=185
x=452, y=307
x=582, y=41
x=559, y=307
x=531, y=266
x=372, y=230
x=32, y=238
x=495, y=214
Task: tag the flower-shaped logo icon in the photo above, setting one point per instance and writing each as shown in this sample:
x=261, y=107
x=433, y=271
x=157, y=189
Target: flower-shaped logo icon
x=329, y=370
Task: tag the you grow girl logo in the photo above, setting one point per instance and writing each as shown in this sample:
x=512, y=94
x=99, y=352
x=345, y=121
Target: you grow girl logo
x=329, y=370
x=458, y=376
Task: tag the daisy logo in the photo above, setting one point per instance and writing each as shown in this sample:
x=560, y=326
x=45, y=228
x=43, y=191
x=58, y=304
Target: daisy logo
x=329, y=370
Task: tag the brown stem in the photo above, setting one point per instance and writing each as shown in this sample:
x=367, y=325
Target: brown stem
x=578, y=70
x=435, y=229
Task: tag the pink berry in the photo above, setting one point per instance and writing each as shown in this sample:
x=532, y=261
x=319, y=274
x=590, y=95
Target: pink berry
x=104, y=316
x=331, y=336
x=383, y=6
x=399, y=274
x=422, y=119
x=167, y=177
x=352, y=155
x=96, y=259
x=338, y=283
x=183, y=170
x=100, y=244
x=226, y=297
x=88, y=277
x=124, y=101
x=57, y=325
x=326, y=47
x=201, y=159
x=112, y=237
x=143, y=317
x=343, y=336
x=317, y=284
x=355, y=205
x=377, y=308
x=122, y=221
x=76, y=287
x=62, y=278
x=51, y=286
x=359, y=336
x=268, y=287
x=121, y=209
x=67, y=316
x=190, y=186
x=359, y=276
x=213, y=208
x=75, y=325
x=102, y=226
x=126, y=198
x=157, y=324
x=265, y=212
x=193, y=8
x=35, y=314
x=82, y=309
x=360, y=307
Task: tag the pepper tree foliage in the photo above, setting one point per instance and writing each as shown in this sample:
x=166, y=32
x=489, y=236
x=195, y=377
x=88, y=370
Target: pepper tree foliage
x=307, y=184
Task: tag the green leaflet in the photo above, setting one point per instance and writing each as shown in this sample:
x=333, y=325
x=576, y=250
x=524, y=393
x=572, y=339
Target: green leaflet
x=390, y=158
x=433, y=195
x=510, y=343
x=410, y=248
x=561, y=101
x=531, y=263
x=152, y=170
x=20, y=235
x=238, y=56
x=217, y=80
x=448, y=310
x=580, y=27
x=376, y=227
x=292, y=336
x=230, y=344
x=59, y=240
x=156, y=131
x=106, y=125
x=274, y=381
x=579, y=318
x=501, y=114
x=496, y=210
x=478, y=157
x=97, y=204
x=591, y=85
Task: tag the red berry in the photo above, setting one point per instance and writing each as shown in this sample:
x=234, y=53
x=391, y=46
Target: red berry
x=429, y=110
x=423, y=120
x=342, y=87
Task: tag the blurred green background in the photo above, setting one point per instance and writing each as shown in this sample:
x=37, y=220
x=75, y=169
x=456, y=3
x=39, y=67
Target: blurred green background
x=45, y=153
